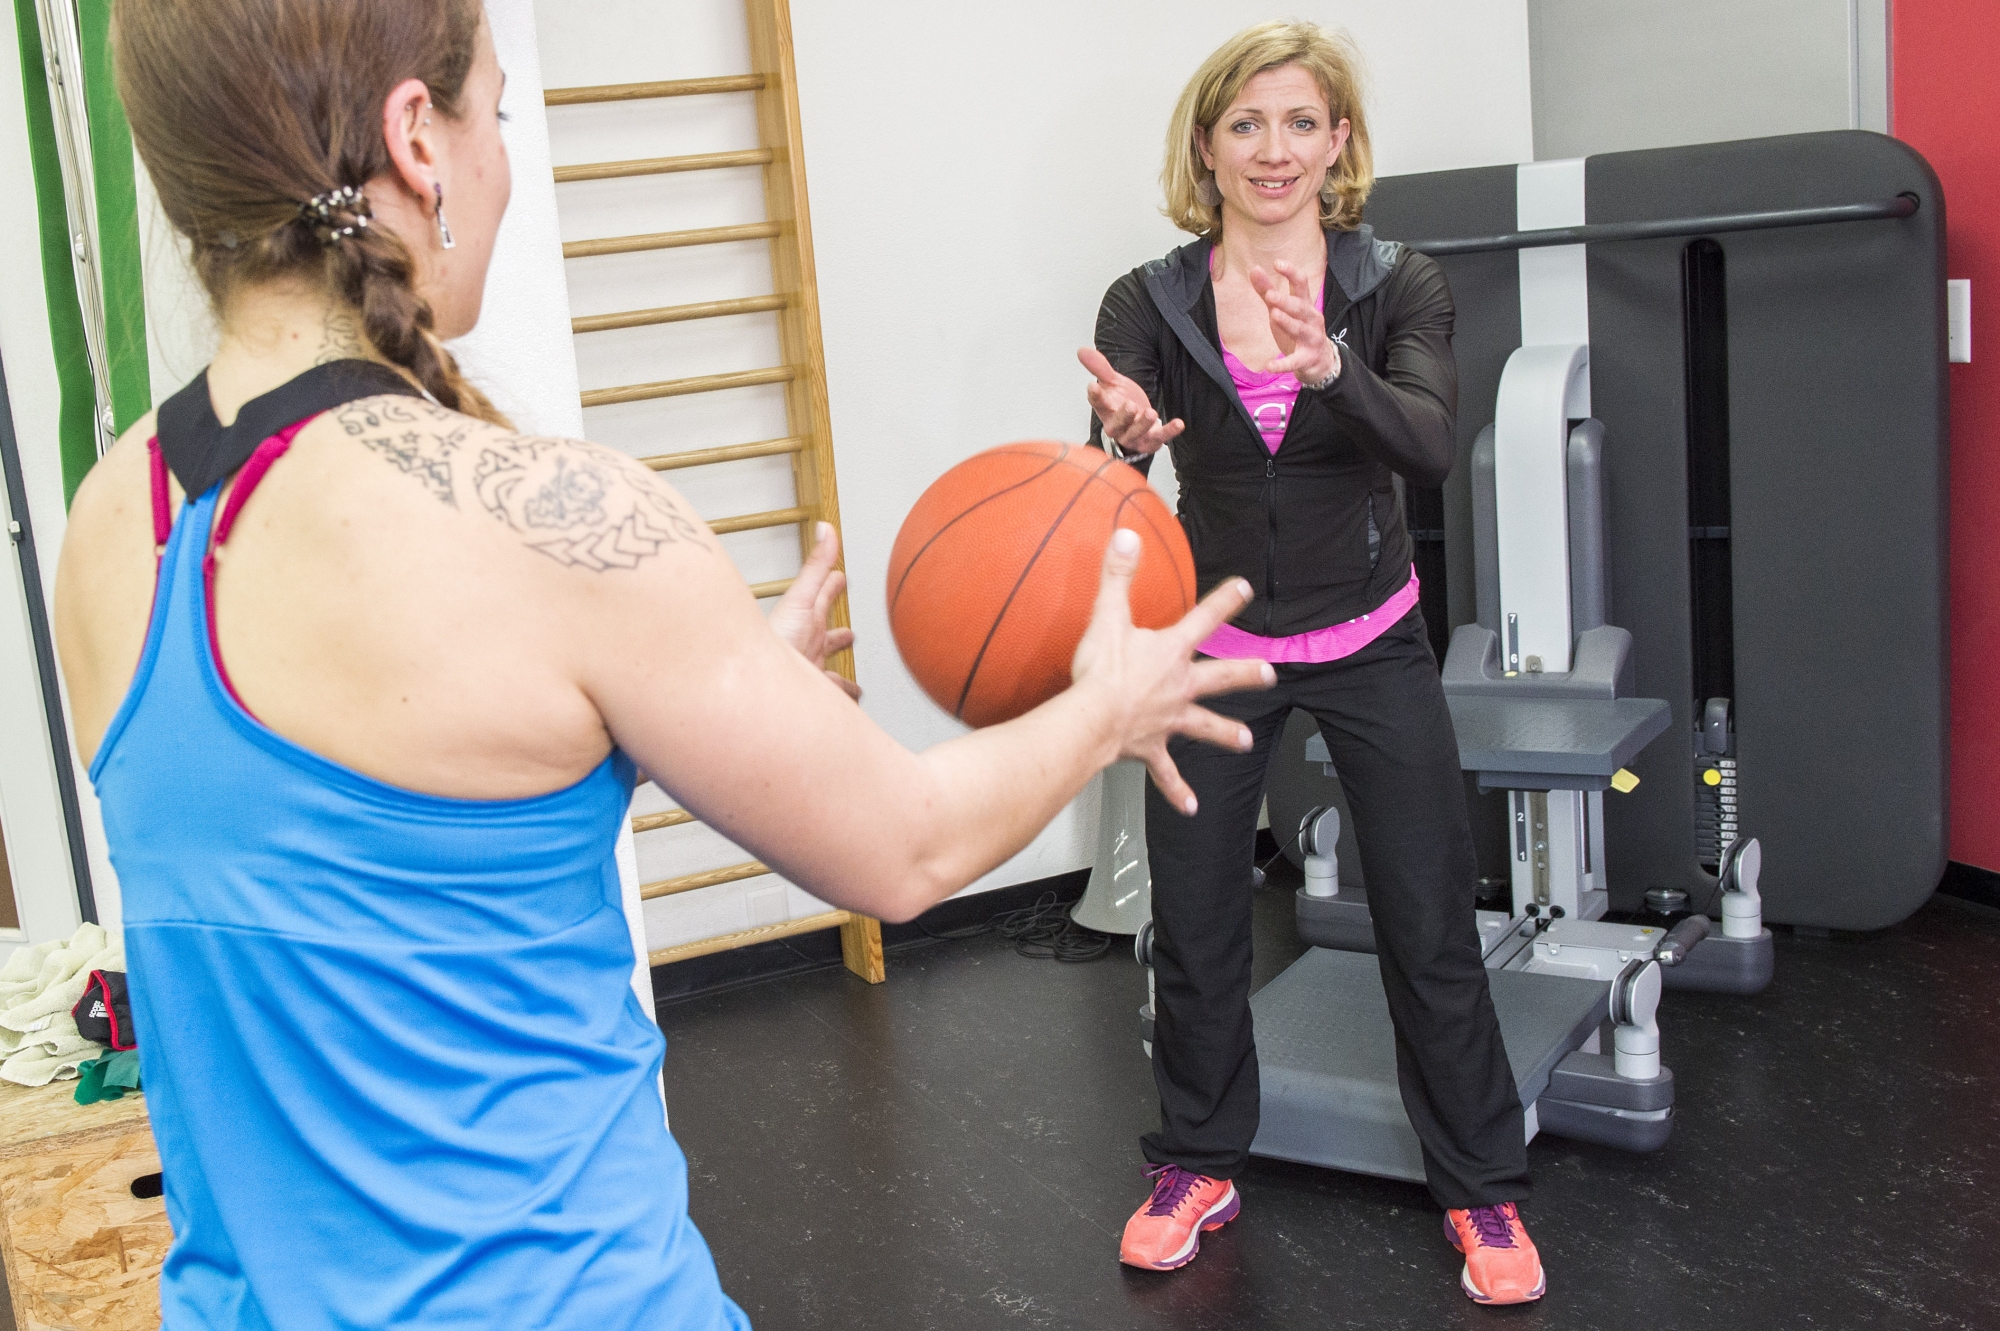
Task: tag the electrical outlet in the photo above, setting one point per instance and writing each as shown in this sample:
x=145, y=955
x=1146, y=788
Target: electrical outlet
x=1958, y=318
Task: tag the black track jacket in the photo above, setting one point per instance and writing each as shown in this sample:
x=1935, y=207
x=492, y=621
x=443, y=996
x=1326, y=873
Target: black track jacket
x=1318, y=528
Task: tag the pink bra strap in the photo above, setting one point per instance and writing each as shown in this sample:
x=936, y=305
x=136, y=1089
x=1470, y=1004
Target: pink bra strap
x=163, y=518
x=252, y=475
x=248, y=478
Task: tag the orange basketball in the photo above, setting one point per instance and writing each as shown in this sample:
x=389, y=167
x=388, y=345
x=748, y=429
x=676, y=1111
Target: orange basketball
x=993, y=576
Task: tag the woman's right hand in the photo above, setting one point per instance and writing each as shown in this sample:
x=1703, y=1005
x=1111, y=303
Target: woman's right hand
x=1124, y=409
x=1147, y=680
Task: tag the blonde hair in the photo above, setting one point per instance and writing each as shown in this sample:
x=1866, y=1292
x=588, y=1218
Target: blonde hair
x=1332, y=61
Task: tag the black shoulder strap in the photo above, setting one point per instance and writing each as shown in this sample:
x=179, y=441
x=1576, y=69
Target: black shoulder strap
x=201, y=451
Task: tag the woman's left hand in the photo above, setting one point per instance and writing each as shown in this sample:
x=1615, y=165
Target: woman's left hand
x=1308, y=354
x=801, y=614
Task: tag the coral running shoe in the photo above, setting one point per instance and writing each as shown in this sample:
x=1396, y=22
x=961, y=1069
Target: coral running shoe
x=1501, y=1264
x=1166, y=1232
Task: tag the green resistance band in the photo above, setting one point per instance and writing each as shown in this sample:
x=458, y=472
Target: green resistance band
x=118, y=253
x=76, y=422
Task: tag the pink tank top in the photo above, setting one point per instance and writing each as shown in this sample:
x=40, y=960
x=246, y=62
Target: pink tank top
x=1268, y=397
x=1270, y=400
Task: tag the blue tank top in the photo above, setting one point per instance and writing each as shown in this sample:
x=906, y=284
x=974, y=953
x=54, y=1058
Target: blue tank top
x=394, y=1063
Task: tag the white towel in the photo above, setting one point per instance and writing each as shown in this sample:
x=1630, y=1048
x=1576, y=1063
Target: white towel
x=33, y=969
x=45, y=1061
x=38, y=1036
x=33, y=1012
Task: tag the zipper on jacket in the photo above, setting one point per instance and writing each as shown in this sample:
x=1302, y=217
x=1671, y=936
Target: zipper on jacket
x=1271, y=543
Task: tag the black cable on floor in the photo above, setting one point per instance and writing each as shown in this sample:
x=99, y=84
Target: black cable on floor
x=1043, y=931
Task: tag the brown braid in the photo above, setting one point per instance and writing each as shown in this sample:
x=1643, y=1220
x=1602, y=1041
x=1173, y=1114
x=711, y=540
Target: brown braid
x=371, y=271
x=243, y=110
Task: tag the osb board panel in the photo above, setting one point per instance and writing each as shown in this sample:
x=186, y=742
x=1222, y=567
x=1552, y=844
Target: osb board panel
x=35, y=1118
x=82, y=1253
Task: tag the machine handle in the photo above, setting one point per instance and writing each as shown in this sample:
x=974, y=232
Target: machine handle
x=1902, y=205
x=1680, y=940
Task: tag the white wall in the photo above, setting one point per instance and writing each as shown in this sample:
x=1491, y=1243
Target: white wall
x=520, y=352
x=997, y=167
x=1654, y=73
x=978, y=177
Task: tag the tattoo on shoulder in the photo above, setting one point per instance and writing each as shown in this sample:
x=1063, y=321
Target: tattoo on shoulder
x=416, y=437
x=580, y=504
x=577, y=503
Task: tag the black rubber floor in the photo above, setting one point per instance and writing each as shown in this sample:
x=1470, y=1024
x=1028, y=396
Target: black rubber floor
x=956, y=1148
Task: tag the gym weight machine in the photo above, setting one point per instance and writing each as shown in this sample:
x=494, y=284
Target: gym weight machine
x=1541, y=686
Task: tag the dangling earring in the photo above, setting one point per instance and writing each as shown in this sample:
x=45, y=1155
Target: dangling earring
x=444, y=227
x=1208, y=191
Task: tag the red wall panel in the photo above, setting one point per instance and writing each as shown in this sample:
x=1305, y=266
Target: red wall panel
x=1946, y=57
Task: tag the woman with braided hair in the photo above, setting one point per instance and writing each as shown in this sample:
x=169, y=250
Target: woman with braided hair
x=358, y=668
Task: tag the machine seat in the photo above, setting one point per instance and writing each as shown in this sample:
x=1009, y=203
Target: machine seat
x=1552, y=743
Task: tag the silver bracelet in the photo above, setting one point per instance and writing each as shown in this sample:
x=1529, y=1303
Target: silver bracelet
x=1330, y=379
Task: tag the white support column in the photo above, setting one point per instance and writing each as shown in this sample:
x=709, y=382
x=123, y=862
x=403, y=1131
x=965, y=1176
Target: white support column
x=1545, y=386
x=1539, y=395
x=1555, y=283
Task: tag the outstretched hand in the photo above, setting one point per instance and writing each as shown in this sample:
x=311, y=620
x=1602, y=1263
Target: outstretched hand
x=1123, y=407
x=1149, y=679
x=801, y=614
x=1307, y=353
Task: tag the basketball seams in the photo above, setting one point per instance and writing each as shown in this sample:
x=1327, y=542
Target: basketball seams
x=962, y=514
x=1128, y=496
x=992, y=629
x=1026, y=669
x=1187, y=600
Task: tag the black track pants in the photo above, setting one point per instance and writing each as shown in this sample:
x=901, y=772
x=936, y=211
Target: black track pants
x=1383, y=714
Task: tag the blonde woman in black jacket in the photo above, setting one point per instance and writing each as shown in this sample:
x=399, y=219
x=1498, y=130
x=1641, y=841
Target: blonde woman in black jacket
x=1296, y=366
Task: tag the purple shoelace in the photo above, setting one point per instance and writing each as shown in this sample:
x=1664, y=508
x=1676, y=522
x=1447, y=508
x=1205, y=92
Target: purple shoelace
x=1494, y=1224
x=1171, y=1189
